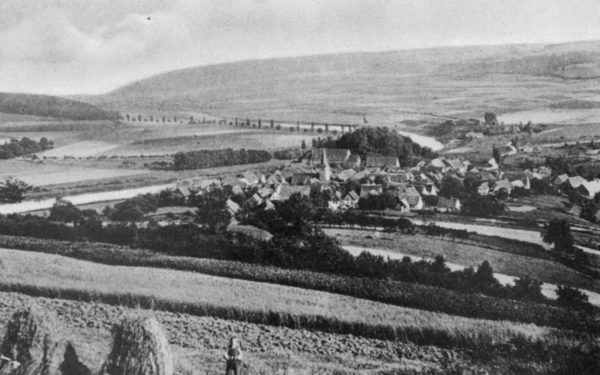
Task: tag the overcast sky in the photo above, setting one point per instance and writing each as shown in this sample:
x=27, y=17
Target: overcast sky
x=94, y=46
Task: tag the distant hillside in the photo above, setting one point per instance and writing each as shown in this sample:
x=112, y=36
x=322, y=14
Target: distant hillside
x=51, y=106
x=384, y=88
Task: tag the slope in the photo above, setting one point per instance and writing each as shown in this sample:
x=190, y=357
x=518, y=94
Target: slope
x=51, y=106
x=412, y=86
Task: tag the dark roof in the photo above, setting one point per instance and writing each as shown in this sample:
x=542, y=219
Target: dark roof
x=447, y=203
x=413, y=200
x=334, y=155
x=382, y=161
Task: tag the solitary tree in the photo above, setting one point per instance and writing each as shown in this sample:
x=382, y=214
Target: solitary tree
x=127, y=116
x=164, y=119
x=558, y=232
x=272, y=124
x=496, y=154
x=139, y=117
x=259, y=123
x=13, y=190
x=490, y=118
x=304, y=144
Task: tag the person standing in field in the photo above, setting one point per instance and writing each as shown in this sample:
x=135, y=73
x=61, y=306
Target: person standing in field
x=234, y=357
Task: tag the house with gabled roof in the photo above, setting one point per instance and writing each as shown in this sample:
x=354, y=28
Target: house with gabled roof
x=438, y=163
x=334, y=155
x=234, y=181
x=283, y=192
x=456, y=165
x=426, y=189
x=303, y=178
x=265, y=192
x=232, y=206
x=367, y=190
x=237, y=190
x=350, y=200
x=561, y=179
x=352, y=162
x=346, y=174
x=576, y=181
x=448, y=205
x=484, y=188
x=382, y=161
x=275, y=179
x=360, y=175
x=184, y=192
x=402, y=206
x=335, y=202
x=474, y=135
x=503, y=185
x=589, y=189
x=572, y=209
x=414, y=201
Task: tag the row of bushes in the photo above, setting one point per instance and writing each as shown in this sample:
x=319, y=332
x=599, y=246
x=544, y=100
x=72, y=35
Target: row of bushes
x=218, y=158
x=25, y=146
x=386, y=291
x=313, y=251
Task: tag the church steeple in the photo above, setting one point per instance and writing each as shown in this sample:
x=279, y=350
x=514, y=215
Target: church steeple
x=325, y=175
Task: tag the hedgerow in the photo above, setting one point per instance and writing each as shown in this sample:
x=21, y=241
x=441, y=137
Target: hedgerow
x=387, y=291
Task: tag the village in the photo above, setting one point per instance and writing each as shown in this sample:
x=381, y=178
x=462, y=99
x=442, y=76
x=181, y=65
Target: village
x=347, y=180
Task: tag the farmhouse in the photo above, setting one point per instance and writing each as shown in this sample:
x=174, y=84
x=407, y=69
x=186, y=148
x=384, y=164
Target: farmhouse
x=367, y=190
x=474, y=135
x=415, y=202
x=503, y=185
x=484, y=189
x=382, y=161
x=333, y=156
x=350, y=200
x=448, y=205
x=232, y=207
x=589, y=189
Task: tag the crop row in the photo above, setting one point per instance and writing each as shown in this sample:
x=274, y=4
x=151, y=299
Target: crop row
x=386, y=291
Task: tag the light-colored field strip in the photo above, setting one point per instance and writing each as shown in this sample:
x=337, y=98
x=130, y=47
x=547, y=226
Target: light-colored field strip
x=54, y=178
x=80, y=149
x=549, y=290
x=106, y=196
x=510, y=233
x=59, y=273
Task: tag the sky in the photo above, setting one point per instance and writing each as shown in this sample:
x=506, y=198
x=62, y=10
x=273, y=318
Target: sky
x=63, y=47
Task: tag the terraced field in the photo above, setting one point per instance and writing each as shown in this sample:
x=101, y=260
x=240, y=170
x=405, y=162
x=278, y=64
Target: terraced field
x=199, y=342
x=36, y=271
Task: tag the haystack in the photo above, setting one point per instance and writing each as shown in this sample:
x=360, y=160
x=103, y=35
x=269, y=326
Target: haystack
x=33, y=340
x=140, y=347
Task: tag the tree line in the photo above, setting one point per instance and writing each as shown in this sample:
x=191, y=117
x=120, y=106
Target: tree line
x=218, y=158
x=25, y=146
